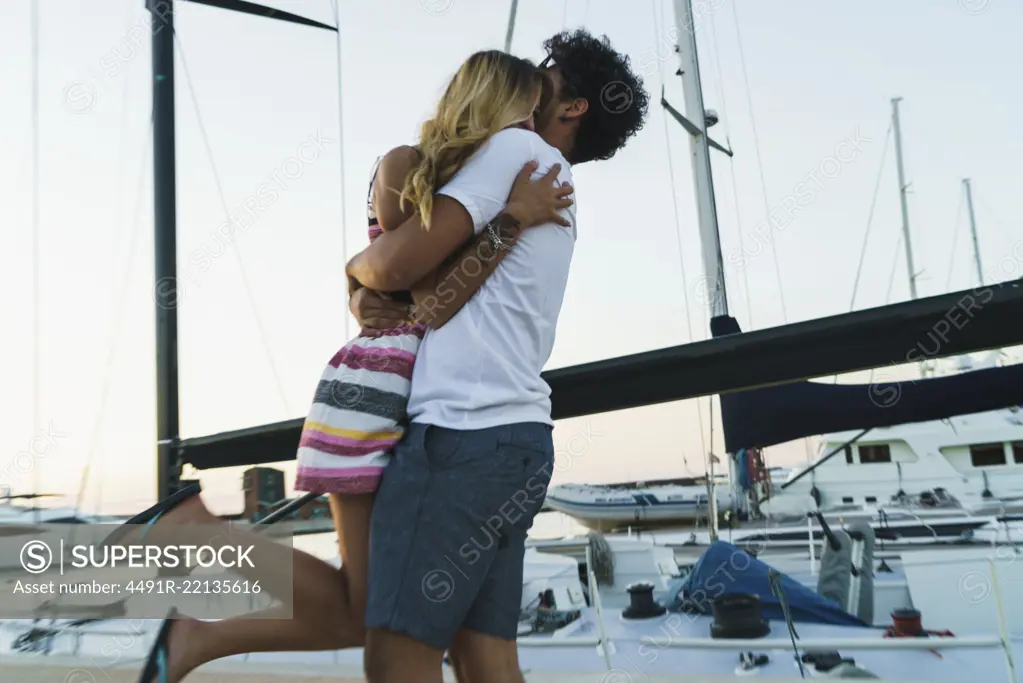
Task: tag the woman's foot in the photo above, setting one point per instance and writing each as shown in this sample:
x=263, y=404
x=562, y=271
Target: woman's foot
x=191, y=511
x=180, y=656
x=153, y=514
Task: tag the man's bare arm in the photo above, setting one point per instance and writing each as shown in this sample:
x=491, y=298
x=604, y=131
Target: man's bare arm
x=441, y=294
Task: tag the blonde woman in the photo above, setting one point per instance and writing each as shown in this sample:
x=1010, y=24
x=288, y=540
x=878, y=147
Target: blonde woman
x=359, y=406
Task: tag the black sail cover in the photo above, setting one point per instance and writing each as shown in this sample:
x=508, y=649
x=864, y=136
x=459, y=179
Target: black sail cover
x=945, y=325
x=771, y=415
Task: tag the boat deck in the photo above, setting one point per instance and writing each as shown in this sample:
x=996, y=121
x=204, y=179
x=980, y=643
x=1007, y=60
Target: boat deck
x=29, y=670
x=640, y=651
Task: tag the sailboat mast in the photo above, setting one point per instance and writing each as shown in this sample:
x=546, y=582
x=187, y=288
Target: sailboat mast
x=973, y=231
x=706, y=207
x=902, y=197
x=511, y=25
x=166, y=291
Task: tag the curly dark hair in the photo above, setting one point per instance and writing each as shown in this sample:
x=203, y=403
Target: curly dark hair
x=593, y=70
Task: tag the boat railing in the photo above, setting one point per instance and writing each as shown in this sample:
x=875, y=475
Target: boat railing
x=1004, y=521
x=781, y=644
x=923, y=523
x=1010, y=558
x=591, y=576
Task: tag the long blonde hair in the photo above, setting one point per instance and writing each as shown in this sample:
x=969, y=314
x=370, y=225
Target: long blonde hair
x=491, y=91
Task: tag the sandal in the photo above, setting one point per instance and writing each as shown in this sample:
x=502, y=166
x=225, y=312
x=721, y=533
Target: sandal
x=152, y=514
x=156, y=662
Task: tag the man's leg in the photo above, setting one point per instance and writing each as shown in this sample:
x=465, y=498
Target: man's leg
x=392, y=657
x=448, y=502
x=479, y=658
x=485, y=649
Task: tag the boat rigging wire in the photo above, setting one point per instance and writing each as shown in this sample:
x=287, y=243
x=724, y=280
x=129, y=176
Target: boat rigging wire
x=1011, y=258
x=119, y=315
x=678, y=234
x=725, y=122
x=341, y=153
x=760, y=163
x=866, y=234
x=36, y=323
x=726, y=125
x=120, y=307
x=888, y=295
x=121, y=165
x=870, y=219
x=227, y=213
x=891, y=278
x=955, y=241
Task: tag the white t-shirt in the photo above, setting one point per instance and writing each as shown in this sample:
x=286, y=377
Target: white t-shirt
x=482, y=369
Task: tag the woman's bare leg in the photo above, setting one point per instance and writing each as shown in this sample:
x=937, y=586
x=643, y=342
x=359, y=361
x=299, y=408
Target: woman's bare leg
x=323, y=616
x=351, y=520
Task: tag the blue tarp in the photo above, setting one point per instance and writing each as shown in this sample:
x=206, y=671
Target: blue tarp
x=724, y=568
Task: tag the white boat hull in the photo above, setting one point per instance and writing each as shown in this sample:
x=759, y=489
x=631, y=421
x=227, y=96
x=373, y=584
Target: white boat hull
x=608, y=507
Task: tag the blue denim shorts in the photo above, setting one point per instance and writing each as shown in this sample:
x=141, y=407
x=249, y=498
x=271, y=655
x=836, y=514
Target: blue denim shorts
x=449, y=526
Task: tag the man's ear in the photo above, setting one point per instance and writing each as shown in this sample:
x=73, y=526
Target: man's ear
x=578, y=107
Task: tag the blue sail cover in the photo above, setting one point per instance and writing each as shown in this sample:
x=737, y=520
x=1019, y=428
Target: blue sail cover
x=724, y=568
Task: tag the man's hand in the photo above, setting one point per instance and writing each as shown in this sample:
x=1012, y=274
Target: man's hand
x=537, y=202
x=375, y=311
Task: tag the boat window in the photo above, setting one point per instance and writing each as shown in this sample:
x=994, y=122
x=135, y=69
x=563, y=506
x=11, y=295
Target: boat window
x=987, y=455
x=847, y=499
x=1017, y=452
x=871, y=499
x=876, y=453
x=848, y=454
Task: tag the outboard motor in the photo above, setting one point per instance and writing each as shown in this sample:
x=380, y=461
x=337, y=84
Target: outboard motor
x=641, y=602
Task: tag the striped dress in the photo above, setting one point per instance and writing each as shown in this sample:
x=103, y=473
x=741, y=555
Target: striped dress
x=358, y=412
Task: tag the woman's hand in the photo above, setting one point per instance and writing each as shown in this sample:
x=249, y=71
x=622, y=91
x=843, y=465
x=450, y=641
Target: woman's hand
x=376, y=312
x=537, y=202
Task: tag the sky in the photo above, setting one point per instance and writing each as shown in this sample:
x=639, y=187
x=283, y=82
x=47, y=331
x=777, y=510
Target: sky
x=803, y=91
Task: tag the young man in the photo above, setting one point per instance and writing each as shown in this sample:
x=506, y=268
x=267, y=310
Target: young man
x=457, y=500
